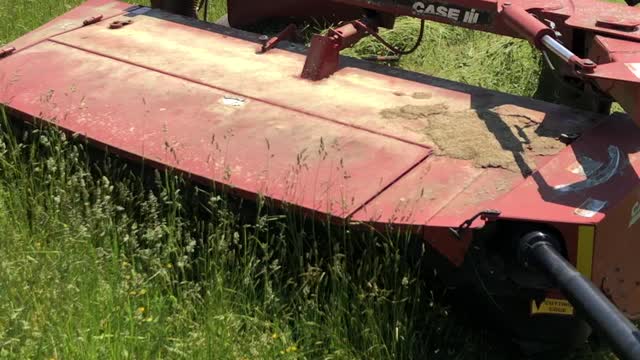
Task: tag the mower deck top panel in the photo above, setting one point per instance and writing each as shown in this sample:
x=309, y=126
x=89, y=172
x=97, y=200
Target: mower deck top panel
x=198, y=98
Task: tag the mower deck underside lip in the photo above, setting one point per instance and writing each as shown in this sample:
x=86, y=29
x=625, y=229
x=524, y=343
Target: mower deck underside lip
x=203, y=102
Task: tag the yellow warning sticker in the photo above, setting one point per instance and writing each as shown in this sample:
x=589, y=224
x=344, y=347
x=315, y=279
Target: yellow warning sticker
x=552, y=306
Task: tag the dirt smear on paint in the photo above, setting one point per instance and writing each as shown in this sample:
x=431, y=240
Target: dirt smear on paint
x=491, y=138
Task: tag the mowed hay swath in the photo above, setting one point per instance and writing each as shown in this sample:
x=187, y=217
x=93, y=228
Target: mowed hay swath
x=491, y=138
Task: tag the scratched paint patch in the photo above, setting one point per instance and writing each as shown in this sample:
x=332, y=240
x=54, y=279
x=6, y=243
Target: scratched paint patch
x=590, y=208
x=635, y=214
x=634, y=68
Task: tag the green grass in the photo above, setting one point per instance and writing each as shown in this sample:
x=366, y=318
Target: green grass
x=97, y=263
x=482, y=59
x=101, y=261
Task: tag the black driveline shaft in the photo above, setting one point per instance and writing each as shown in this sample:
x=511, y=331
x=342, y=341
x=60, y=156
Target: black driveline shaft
x=600, y=313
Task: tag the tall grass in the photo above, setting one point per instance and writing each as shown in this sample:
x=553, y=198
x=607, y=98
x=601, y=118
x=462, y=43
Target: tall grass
x=98, y=262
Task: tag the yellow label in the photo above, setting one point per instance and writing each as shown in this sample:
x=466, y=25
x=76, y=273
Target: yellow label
x=586, y=241
x=552, y=306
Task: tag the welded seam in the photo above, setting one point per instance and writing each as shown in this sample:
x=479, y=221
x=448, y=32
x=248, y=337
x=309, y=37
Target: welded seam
x=194, y=81
x=456, y=196
x=390, y=184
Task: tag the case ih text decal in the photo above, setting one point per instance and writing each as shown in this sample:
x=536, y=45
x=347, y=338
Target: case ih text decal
x=458, y=14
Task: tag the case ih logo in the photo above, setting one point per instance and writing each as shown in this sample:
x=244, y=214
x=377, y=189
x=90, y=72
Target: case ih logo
x=458, y=14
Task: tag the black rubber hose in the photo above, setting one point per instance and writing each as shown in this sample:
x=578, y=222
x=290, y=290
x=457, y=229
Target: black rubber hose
x=540, y=250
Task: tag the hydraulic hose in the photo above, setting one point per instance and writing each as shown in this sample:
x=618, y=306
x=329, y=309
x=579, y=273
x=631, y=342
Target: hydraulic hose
x=540, y=249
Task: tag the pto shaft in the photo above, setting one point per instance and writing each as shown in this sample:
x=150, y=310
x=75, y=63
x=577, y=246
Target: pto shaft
x=540, y=250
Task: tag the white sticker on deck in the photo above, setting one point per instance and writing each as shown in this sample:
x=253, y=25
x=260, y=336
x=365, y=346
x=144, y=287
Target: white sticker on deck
x=590, y=208
x=635, y=69
x=233, y=101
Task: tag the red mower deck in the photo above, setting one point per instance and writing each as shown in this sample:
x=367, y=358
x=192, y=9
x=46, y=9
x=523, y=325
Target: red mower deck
x=199, y=99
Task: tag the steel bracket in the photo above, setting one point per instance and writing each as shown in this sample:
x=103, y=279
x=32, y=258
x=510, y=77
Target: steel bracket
x=92, y=20
x=6, y=52
x=487, y=215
